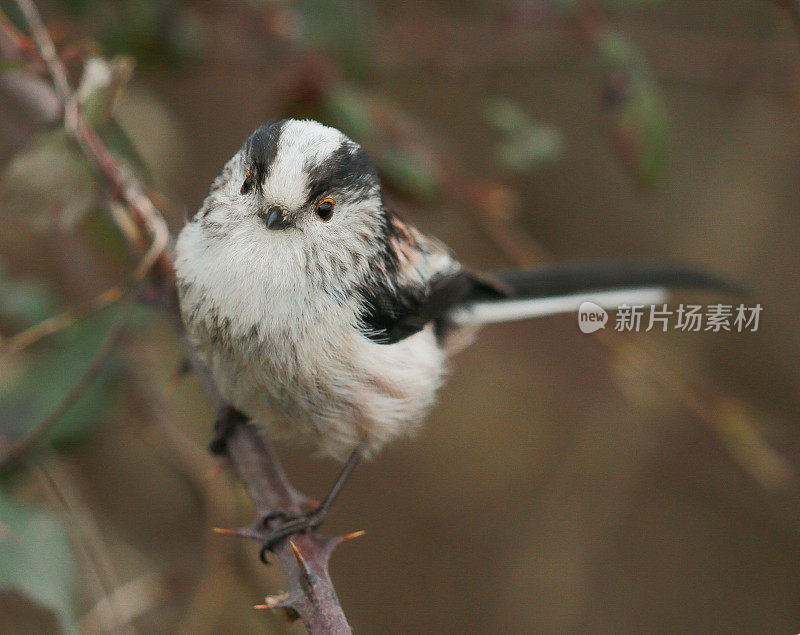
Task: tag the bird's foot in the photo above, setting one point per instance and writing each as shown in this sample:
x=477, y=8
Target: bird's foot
x=289, y=526
x=313, y=518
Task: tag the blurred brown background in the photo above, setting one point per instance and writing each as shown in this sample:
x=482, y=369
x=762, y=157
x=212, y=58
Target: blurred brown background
x=561, y=485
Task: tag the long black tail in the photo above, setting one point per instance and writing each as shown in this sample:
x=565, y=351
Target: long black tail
x=560, y=288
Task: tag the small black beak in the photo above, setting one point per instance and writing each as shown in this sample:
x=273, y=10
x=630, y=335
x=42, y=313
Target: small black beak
x=274, y=218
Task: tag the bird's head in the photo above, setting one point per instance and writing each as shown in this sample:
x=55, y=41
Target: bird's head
x=296, y=181
x=299, y=203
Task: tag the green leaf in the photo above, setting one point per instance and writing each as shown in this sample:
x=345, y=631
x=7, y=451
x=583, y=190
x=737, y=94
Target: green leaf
x=524, y=144
x=150, y=30
x=25, y=301
x=572, y=7
x=101, y=84
x=14, y=65
x=325, y=25
x=400, y=154
x=49, y=175
x=348, y=108
x=52, y=377
x=405, y=171
x=639, y=123
x=146, y=134
x=36, y=560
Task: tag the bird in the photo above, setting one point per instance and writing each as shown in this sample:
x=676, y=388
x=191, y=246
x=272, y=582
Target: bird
x=329, y=320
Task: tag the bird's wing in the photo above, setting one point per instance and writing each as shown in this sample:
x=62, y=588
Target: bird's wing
x=417, y=283
x=425, y=284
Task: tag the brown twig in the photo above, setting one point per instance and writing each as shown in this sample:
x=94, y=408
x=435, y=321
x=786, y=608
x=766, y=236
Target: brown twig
x=312, y=596
x=127, y=188
x=59, y=322
x=305, y=558
x=46, y=48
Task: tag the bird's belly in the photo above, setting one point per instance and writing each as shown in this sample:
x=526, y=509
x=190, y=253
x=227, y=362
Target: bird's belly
x=335, y=395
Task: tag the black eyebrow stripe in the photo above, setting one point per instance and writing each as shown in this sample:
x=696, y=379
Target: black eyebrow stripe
x=261, y=148
x=346, y=168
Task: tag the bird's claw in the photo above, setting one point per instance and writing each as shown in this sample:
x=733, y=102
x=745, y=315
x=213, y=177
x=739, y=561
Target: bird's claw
x=292, y=525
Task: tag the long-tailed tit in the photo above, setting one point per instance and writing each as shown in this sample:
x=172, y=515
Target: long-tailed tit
x=328, y=319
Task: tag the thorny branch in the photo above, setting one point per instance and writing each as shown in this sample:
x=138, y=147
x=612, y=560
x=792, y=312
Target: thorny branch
x=305, y=558
x=312, y=596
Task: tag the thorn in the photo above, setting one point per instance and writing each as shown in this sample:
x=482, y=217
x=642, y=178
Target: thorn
x=280, y=603
x=352, y=536
x=297, y=554
x=311, y=503
x=226, y=532
x=300, y=560
x=276, y=601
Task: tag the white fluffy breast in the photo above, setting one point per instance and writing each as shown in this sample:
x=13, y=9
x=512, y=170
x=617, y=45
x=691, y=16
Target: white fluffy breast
x=291, y=356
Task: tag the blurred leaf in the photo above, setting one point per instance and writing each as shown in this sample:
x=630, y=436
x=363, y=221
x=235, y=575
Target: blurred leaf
x=146, y=133
x=101, y=85
x=100, y=92
x=150, y=30
x=12, y=11
x=403, y=170
x=739, y=430
x=570, y=7
x=95, y=407
x=404, y=160
x=349, y=109
x=36, y=560
x=45, y=385
x=628, y=4
x=639, y=126
x=49, y=175
x=76, y=7
x=25, y=301
x=342, y=30
x=102, y=232
x=7, y=64
x=122, y=145
x=524, y=144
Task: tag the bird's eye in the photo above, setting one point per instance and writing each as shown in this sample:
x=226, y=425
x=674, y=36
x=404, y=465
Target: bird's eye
x=248, y=183
x=325, y=209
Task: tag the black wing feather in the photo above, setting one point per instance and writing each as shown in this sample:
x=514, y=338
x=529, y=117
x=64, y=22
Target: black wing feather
x=396, y=303
x=394, y=315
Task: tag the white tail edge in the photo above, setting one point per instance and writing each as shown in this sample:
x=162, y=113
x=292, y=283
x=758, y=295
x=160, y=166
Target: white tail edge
x=510, y=310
